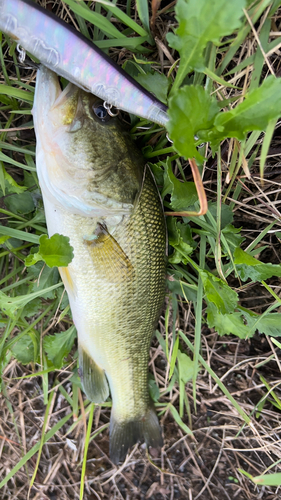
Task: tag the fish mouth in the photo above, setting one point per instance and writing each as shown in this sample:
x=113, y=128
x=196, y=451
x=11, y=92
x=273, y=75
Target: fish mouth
x=56, y=105
x=47, y=91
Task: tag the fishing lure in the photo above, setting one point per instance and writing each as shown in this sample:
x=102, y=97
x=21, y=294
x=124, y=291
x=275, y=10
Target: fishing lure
x=68, y=53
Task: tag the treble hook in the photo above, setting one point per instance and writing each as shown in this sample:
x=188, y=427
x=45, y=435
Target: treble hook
x=22, y=53
x=109, y=107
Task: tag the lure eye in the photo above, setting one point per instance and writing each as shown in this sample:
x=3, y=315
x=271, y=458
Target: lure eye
x=101, y=112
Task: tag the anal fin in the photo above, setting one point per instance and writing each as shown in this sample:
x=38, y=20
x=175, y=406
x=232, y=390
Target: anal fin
x=93, y=378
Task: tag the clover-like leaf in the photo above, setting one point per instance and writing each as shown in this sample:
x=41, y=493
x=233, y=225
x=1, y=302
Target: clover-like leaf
x=218, y=292
x=59, y=345
x=195, y=110
x=249, y=267
x=55, y=251
x=201, y=22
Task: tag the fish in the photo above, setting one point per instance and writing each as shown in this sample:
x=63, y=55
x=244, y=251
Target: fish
x=98, y=191
x=66, y=51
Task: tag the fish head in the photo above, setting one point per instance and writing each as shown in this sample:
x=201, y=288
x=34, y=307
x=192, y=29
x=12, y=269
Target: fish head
x=88, y=154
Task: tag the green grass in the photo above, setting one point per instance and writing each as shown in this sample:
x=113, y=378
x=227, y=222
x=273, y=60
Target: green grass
x=215, y=98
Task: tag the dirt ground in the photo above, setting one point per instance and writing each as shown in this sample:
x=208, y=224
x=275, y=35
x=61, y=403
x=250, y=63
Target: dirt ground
x=204, y=466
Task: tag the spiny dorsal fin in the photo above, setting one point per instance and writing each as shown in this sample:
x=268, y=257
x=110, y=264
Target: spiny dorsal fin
x=93, y=378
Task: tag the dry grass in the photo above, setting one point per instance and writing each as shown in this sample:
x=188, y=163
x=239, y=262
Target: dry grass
x=205, y=466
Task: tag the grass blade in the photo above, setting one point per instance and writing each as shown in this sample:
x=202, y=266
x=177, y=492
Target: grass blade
x=142, y=8
x=20, y=235
x=241, y=412
x=87, y=441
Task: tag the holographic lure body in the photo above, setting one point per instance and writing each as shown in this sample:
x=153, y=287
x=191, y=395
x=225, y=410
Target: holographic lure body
x=64, y=50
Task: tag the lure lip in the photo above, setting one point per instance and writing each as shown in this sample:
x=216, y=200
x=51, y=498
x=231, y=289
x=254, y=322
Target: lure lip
x=29, y=24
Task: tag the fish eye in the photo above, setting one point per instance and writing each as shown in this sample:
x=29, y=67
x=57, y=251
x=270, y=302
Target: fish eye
x=101, y=112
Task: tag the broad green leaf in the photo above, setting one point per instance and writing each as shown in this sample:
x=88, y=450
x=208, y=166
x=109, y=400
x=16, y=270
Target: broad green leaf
x=32, y=258
x=191, y=111
x=201, y=22
x=58, y=346
x=55, y=251
x=218, y=292
x=249, y=267
x=30, y=182
x=54, y=244
x=44, y=277
x=225, y=324
x=269, y=324
x=233, y=235
x=241, y=257
x=32, y=307
x=180, y=233
x=27, y=348
x=153, y=388
x=157, y=83
x=11, y=185
x=183, y=194
x=226, y=214
x=179, y=287
x=259, y=107
x=244, y=323
x=21, y=203
x=158, y=173
x=180, y=238
x=186, y=367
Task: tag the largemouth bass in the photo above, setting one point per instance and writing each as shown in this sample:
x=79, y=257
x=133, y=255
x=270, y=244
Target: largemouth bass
x=97, y=191
x=67, y=52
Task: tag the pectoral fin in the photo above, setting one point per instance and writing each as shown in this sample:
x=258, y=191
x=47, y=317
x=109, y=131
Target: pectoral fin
x=107, y=255
x=93, y=378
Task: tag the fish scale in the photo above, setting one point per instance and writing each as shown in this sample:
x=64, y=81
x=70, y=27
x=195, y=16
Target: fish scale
x=116, y=280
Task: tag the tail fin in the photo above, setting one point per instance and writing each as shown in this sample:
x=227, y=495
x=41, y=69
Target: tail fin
x=125, y=434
